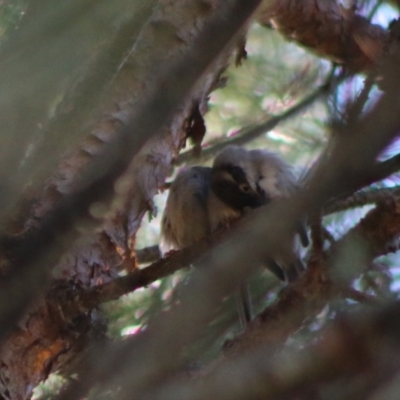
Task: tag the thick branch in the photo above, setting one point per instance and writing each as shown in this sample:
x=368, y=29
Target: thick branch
x=65, y=129
x=350, y=347
x=360, y=199
x=384, y=169
x=39, y=250
x=175, y=62
x=329, y=30
x=32, y=70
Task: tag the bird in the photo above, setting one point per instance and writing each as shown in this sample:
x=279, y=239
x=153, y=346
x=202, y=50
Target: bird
x=203, y=200
x=185, y=219
x=242, y=180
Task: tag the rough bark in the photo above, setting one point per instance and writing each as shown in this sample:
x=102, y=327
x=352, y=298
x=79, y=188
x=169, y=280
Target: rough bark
x=329, y=30
x=171, y=31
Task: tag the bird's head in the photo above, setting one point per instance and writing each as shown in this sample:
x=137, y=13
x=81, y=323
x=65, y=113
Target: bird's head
x=230, y=184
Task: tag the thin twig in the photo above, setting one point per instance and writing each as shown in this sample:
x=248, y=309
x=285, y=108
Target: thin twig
x=113, y=290
x=252, y=132
x=360, y=297
x=317, y=234
x=148, y=254
x=360, y=199
x=374, y=9
x=384, y=169
x=328, y=235
x=356, y=107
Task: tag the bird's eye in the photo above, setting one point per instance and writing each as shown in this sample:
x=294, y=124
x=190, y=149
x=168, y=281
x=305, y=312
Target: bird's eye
x=244, y=187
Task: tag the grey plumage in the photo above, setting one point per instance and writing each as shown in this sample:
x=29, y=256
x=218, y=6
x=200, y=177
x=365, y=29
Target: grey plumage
x=202, y=200
x=245, y=179
x=185, y=218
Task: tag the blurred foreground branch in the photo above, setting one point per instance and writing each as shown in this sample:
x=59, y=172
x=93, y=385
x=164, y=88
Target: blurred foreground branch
x=350, y=348
x=343, y=168
x=325, y=278
x=35, y=253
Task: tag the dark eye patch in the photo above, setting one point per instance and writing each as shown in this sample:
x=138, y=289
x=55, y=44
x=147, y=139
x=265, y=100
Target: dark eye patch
x=230, y=185
x=236, y=172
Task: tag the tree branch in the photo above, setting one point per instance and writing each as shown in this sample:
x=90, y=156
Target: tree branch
x=39, y=250
x=91, y=298
x=323, y=279
x=252, y=132
x=329, y=30
x=349, y=347
x=148, y=254
x=64, y=130
x=360, y=199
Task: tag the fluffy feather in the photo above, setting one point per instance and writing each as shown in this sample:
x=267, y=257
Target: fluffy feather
x=202, y=200
x=245, y=179
x=185, y=218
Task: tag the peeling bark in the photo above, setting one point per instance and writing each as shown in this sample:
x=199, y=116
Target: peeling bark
x=43, y=343
x=172, y=30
